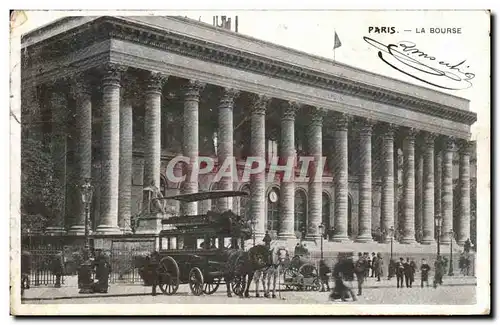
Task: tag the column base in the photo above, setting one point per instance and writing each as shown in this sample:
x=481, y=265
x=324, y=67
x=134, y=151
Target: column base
x=428, y=241
x=408, y=240
x=364, y=239
x=287, y=236
x=55, y=231
x=126, y=230
x=77, y=230
x=107, y=230
x=341, y=238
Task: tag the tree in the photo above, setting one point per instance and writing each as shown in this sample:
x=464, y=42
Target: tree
x=40, y=194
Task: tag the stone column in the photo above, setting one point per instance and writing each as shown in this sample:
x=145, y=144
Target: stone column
x=258, y=180
x=340, y=177
x=59, y=106
x=387, y=200
x=225, y=145
x=126, y=148
x=428, y=190
x=152, y=130
x=82, y=93
x=365, y=181
x=110, y=148
x=463, y=232
x=447, y=192
x=315, y=148
x=287, y=153
x=419, y=169
x=190, y=144
x=438, y=178
x=409, y=187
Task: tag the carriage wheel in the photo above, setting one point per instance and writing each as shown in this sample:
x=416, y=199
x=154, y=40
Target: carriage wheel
x=210, y=288
x=168, y=276
x=196, y=281
x=238, y=285
x=316, y=285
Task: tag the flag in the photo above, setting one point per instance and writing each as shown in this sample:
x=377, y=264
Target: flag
x=337, y=42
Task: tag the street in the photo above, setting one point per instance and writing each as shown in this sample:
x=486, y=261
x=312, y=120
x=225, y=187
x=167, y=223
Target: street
x=455, y=291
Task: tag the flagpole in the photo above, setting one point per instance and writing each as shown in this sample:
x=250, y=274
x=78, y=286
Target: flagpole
x=334, y=33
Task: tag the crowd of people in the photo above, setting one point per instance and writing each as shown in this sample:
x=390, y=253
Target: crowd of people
x=347, y=269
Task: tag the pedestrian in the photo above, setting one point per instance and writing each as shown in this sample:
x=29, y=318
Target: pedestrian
x=438, y=271
x=297, y=249
x=154, y=263
x=324, y=272
x=392, y=269
x=413, y=270
x=374, y=262
x=343, y=270
x=360, y=267
x=368, y=262
x=58, y=268
x=267, y=240
x=407, y=272
x=424, y=273
x=379, y=267
x=102, y=272
x=400, y=268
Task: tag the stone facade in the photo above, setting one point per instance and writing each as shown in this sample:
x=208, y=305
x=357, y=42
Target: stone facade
x=251, y=107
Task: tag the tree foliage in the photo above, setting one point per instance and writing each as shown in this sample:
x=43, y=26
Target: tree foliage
x=40, y=193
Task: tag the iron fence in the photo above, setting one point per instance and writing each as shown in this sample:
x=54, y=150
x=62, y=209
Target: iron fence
x=40, y=265
x=125, y=257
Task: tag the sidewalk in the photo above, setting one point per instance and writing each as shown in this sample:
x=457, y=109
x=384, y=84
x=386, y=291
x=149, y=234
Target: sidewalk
x=70, y=288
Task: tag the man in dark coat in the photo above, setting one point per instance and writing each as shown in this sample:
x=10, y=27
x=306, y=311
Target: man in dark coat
x=373, y=264
x=400, y=270
x=413, y=270
x=424, y=273
x=324, y=273
x=379, y=266
x=343, y=270
x=407, y=272
x=368, y=263
x=154, y=263
x=58, y=268
x=360, y=268
x=267, y=240
x=438, y=271
x=102, y=271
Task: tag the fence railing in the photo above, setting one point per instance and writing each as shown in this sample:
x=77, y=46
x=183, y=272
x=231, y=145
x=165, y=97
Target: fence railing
x=39, y=266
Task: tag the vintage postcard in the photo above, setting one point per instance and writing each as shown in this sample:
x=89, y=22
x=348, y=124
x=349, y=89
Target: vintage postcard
x=302, y=162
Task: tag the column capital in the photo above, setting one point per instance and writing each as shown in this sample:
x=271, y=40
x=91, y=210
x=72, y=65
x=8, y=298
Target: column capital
x=364, y=125
x=155, y=81
x=449, y=143
x=259, y=103
x=317, y=115
x=465, y=146
x=228, y=97
x=429, y=138
x=192, y=89
x=410, y=133
x=387, y=130
x=80, y=86
x=289, y=111
x=112, y=74
x=341, y=121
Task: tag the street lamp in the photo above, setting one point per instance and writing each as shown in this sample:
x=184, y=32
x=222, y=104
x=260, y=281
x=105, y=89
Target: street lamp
x=452, y=235
x=85, y=273
x=87, y=191
x=390, y=233
x=437, y=222
x=321, y=231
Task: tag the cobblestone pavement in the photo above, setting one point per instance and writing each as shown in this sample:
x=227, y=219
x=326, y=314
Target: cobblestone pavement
x=456, y=290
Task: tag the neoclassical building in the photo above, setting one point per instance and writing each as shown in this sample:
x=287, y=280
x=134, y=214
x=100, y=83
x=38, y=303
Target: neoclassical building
x=122, y=96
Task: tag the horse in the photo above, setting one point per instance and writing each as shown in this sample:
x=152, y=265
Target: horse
x=241, y=265
x=278, y=257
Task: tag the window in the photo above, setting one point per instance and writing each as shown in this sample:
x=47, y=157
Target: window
x=300, y=211
x=272, y=212
x=272, y=149
x=326, y=213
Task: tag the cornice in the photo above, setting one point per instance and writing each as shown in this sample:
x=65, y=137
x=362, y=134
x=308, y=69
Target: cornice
x=117, y=28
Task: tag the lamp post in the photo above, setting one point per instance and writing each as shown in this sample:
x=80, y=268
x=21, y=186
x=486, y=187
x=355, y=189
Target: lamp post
x=253, y=230
x=437, y=222
x=390, y=233
x=321, y=231
x=85, y=273
x=452, y=235
x=87, y=191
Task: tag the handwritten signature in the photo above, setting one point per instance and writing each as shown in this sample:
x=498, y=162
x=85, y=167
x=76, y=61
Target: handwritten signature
x=406, y=58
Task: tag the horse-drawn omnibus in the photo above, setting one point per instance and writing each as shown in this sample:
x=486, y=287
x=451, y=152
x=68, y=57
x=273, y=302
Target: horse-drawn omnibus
x=194, y=250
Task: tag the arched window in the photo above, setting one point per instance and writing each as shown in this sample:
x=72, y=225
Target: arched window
x=300, y=211
x=326, y=213
x=245, y=204
x=273, y=210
